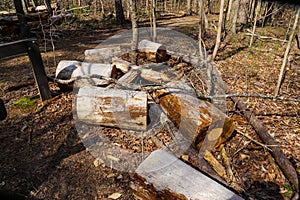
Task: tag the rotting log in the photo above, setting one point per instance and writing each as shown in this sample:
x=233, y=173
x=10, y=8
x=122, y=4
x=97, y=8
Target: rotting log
x=112, y=107
x=152, y=51
x=68, y=69
x=102, y=55
x=198, y=120
x=163, y=176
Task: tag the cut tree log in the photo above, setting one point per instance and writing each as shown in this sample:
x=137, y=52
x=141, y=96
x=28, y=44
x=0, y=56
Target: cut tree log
x=112, y=107
x=163, y=176
x=198, y=120
x=121, y=64
x=67, y=69
x=152, y=51
x=102, y=55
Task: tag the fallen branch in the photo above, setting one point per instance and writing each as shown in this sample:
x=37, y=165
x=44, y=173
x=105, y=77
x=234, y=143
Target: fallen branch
x=256, y=142
x=264, y=37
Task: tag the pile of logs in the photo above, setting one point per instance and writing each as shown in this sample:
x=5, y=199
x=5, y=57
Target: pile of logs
x=112, y=92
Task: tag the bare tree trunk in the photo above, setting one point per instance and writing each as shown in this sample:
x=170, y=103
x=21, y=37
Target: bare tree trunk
x=189, y=7
x=119, y=12
x=135, y=31
x=154, y=20
x=201, y=30
x=257, y=10
x=252, y=10
x=147, y=4
x=48, y=5
x=24, y=29
x=102, y=8
x=229, y=10
x=209, y=7
x=287, y=51
x=218, y=40
x=235, y=16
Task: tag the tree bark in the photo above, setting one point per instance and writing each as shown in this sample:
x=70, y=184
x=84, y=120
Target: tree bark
x=154, y=20
x=198, y=121
x=119, y=12
x=286, y=54
x=201, y=30
x=235, y=16
x=218, y=40
x=112, y=107
x=135, y=32
x=229, y=7
x=152, y=51
x=189, y=7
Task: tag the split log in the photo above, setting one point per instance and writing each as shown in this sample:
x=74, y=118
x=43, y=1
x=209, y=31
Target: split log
x=149, y=74
x=68, y=69
x=163, y=176
x=102, y=55
x=121, y=64
x=152, y=51
x=112, y=107
x=198, y=120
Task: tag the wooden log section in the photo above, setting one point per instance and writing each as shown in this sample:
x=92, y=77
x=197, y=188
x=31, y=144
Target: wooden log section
x=163, y=176
x=121, y=64
x=112, y=107
x=102, y=55
x=152, y=51
x=197, y=120
x=68, y=69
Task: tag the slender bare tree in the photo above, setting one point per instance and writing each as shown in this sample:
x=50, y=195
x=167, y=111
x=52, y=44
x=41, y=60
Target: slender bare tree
x=154, y=20
x=135, y=31
x=257, y=10
x=218, y=40
x=189, y=7
x=287, y=51
x=201, y=29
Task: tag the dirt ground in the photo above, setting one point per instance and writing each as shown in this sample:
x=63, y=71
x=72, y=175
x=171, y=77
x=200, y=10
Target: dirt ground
x=42, y=156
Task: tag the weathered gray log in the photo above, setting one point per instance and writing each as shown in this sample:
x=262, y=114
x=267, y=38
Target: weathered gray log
x=102, y=55
x=163, y=176
x=112, y=107
x=153, y=51
x=68, y=69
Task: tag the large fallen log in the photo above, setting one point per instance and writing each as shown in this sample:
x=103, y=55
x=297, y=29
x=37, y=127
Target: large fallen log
x=112, y=107
x=198, y=120
x=102, y=55
x=163, y=176
x=67, y=69
x=152, y=51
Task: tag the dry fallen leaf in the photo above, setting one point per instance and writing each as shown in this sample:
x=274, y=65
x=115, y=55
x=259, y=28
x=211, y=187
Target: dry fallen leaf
x=115, y=196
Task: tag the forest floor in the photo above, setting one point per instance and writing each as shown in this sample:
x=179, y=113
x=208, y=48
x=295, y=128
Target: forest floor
x=42, y=156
